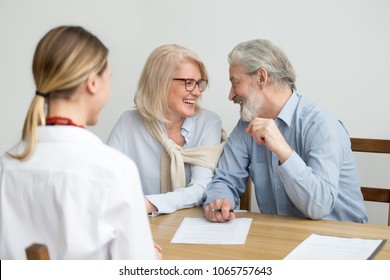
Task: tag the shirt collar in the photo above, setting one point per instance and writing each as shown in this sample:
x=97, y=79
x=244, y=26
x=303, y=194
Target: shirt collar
x=186, y=128
x=66, y=133
x=288, y=110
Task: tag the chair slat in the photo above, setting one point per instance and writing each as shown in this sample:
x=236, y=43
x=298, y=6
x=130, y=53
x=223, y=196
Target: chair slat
x=376, y=194
x=370, y=145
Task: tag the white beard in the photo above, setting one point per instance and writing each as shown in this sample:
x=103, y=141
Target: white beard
x=251, y=107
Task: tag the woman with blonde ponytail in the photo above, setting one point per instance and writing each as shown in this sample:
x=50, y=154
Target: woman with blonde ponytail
x=60, y=185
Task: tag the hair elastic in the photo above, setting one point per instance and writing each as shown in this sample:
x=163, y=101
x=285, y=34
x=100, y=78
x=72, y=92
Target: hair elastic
x=41, y=94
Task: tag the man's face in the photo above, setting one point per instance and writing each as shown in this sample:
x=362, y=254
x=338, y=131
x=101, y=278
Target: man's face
x=245, y=92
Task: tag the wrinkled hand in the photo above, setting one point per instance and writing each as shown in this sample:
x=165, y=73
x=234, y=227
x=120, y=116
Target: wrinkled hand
x=265, y=132
x=221, y=217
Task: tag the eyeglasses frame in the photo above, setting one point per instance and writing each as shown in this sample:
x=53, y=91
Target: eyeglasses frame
x=197, y=82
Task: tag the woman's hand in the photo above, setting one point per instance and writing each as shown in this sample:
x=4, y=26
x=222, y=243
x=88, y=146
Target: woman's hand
x=158, y=251
x=150, y=207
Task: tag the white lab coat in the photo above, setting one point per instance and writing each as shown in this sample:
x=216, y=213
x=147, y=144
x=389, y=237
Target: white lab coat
x=78, y=196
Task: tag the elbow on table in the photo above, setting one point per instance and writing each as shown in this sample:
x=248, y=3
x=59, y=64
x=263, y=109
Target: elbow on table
x=317, y=213
x=318, y=209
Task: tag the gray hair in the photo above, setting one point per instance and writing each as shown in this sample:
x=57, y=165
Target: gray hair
x=255, y=54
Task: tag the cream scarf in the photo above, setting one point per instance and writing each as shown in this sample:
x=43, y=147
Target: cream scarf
x=174, y=156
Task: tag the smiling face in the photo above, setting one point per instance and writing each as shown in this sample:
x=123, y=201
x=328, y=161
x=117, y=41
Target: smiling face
x=181, y=103
x=244, y=91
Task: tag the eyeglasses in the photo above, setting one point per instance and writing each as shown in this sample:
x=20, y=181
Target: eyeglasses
x=190, y=84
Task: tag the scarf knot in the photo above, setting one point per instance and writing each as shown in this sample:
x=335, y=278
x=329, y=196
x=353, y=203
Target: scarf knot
x=174, y=156
x=170, y=147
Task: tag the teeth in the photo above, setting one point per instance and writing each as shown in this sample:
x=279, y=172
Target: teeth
x=189, y=101
x=237, y=99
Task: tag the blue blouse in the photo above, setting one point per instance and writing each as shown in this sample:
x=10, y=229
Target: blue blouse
x=131, y=137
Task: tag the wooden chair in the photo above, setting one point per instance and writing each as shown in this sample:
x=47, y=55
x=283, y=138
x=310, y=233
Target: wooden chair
x=37, y=252
x=245, y=199
x=373, y=146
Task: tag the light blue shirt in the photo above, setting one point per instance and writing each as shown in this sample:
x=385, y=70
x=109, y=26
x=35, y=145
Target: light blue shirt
x=318, y=181
x=131, y=137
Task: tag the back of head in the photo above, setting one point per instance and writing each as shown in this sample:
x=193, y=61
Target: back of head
x=151, y=97
x=255, y=54
x=63, y=59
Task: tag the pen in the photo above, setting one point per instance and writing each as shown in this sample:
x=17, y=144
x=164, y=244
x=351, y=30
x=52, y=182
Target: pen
x=231, y=210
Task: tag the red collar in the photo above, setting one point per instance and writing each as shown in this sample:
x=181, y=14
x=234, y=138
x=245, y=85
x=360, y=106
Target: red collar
x=61, y=121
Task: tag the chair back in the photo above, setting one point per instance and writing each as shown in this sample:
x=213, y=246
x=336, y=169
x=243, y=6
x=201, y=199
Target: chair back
x=370, y=193
x=37, y=252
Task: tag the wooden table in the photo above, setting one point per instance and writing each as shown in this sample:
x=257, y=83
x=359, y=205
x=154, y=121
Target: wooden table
x=270, y=237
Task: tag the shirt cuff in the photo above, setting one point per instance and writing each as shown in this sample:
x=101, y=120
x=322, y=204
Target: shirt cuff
x=293, y=167
x=162, y=203
x=218, y=191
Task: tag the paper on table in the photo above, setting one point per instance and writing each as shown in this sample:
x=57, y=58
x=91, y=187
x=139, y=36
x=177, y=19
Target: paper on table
x=202, y=231
x=321, y=247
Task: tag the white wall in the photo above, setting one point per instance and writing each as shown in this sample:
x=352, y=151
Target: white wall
x=340, y=51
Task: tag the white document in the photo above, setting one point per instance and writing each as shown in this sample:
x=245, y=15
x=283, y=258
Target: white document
x=322, y=247
x=202, y=231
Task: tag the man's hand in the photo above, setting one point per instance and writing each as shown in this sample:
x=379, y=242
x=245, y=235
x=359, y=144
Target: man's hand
x=265, y=132
x=219, y=216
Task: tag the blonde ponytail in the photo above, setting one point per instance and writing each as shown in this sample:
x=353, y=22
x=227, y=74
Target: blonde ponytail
x=35, y=117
